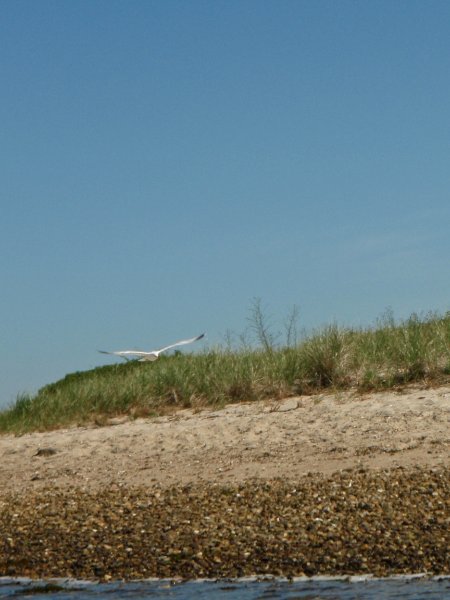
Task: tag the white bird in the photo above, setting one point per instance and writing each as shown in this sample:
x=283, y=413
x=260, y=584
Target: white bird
x=153, y=354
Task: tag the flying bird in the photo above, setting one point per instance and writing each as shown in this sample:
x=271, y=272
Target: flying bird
x=153, y=354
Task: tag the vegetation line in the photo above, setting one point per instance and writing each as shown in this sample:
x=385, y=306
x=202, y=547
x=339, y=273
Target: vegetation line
x=383, y=356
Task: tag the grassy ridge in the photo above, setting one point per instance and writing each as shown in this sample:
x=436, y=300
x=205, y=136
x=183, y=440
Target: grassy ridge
x=389, y=354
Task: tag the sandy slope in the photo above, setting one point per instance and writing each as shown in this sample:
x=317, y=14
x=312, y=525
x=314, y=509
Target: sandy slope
x=286, y=439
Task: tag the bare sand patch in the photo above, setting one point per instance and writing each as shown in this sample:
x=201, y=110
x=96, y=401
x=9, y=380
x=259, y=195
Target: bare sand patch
x=262, y=440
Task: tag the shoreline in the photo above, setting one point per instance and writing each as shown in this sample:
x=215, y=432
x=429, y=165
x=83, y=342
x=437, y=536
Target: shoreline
x=337, y=485
x=416, y=585
x=247, y=579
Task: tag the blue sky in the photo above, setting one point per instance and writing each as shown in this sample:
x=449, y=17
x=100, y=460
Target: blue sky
x=164, y=163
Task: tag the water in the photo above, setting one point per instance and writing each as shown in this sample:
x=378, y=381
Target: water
x=353, y=588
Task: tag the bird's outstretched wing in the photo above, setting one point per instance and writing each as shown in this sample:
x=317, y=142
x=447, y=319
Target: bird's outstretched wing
x=181, y=343
x=152, y=354
x=125, y=353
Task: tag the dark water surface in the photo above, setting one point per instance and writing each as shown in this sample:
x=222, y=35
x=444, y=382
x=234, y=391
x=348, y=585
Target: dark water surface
x=354, y=588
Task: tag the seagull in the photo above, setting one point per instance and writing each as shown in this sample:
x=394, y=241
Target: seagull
x=153, y=354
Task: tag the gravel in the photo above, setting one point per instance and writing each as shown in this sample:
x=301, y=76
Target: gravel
x=353, y=522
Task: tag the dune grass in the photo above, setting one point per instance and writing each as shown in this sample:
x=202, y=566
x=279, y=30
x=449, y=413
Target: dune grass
x=386, y=355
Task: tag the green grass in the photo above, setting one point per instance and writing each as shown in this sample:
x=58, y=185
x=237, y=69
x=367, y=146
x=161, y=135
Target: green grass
x=384, y=356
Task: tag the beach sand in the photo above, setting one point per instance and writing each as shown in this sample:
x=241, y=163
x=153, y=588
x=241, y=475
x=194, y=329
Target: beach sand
x=320, y=434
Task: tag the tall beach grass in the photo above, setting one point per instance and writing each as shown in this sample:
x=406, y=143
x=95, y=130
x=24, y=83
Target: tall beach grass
x=388, y=354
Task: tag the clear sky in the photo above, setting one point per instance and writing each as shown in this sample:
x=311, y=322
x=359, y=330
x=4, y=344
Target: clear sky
x=164, y=162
